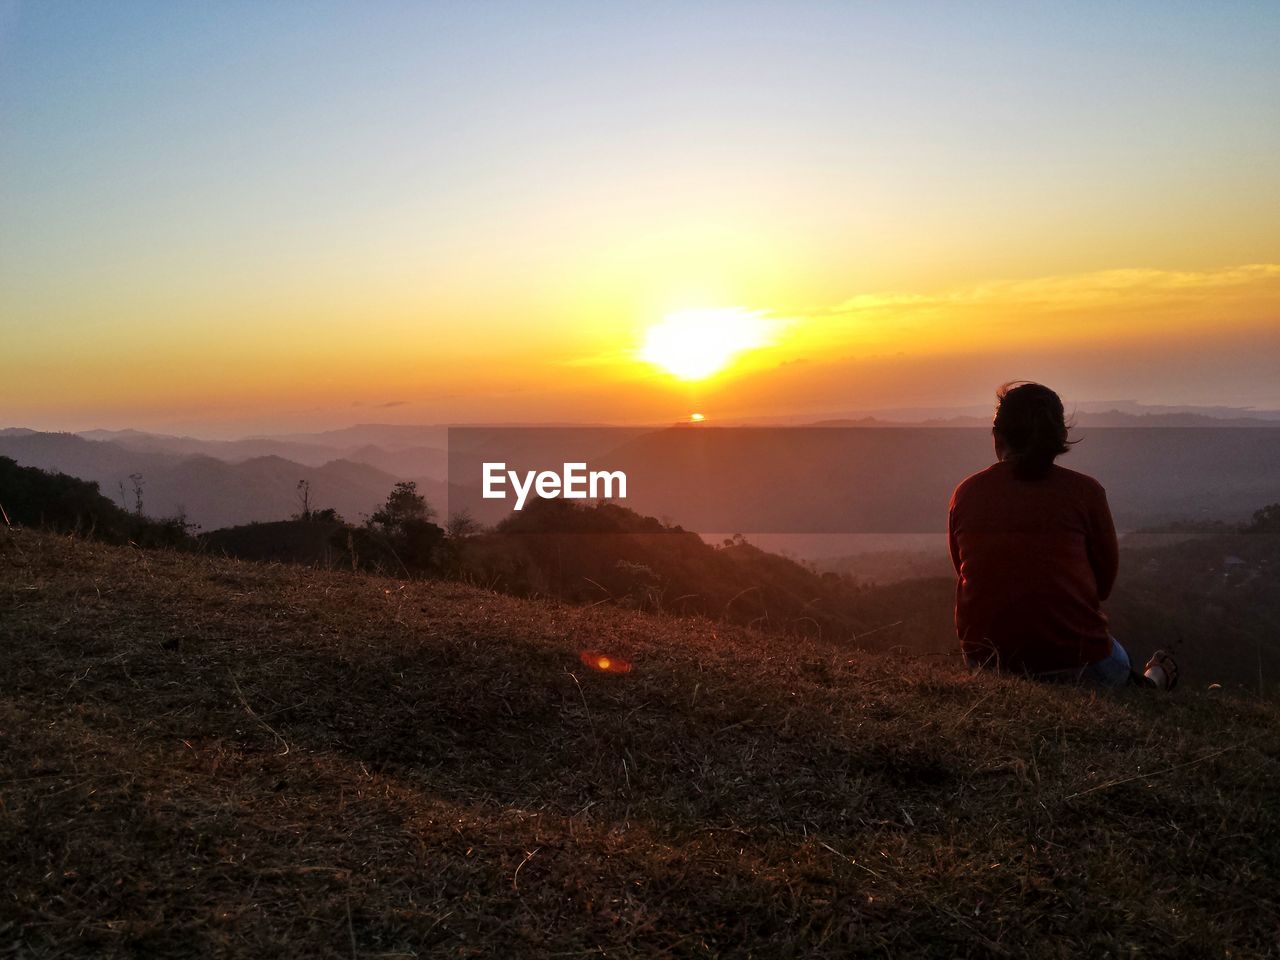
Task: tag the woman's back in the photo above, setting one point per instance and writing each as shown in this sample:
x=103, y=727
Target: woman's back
x=1035, y=559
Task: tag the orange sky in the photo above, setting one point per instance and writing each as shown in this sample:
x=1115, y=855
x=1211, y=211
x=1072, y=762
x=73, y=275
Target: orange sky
x=244, y=220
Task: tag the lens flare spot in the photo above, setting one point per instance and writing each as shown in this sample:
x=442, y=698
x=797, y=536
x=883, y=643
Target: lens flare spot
x=604, y=662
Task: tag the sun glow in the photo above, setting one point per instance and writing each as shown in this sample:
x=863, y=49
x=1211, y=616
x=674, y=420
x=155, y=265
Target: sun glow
x=695, y=344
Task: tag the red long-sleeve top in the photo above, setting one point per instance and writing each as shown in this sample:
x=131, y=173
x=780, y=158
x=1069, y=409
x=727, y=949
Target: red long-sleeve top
x=1035, y=559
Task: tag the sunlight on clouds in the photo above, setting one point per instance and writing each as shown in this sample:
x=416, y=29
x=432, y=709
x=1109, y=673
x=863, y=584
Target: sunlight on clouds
x=1108, y=305
x=1089, y=289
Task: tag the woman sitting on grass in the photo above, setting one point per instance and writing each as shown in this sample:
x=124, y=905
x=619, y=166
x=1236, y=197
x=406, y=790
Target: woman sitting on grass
x=1035, y=548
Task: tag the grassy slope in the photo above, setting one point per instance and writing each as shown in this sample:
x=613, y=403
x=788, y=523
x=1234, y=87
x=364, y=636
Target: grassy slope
x=330, y=764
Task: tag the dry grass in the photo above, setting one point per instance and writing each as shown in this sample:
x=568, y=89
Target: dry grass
x=201, y=757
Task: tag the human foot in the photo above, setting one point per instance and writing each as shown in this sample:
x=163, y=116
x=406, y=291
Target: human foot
x=1162, y=671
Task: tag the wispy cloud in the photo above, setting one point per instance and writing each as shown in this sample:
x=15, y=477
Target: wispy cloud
x=1076, y=291
x=1102, y=304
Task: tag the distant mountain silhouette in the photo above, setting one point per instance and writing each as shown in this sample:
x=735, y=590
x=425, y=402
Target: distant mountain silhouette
x=391, y=436
x=210, y=491
x=1101, y=418
x=403, y=462
x=980, y=414
x=865, y=475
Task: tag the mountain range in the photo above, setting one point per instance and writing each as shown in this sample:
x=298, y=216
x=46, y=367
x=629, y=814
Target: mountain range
x=1159, y=464
x=243, y=485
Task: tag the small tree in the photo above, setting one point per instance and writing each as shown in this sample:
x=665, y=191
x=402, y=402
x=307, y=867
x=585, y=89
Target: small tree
x=136, y=479
x=462, y=524
x=404, y=506
x=405, y=520
x=1266, y=520
x=304, y=499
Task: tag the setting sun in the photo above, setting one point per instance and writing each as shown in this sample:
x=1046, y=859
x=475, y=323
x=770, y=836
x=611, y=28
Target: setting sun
x=694, y=344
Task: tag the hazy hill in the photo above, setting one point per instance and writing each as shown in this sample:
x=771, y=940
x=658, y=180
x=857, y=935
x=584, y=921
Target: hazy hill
x=389, y=436
x=211, y=492
x=876, y=480
x=402, y=462
x=1083, y=418
x=851, y=480
x=405, y=463
x=396, y=436
x=210, y=758
x=1118, y=418
x=792, y=481
x=232, y=451
x=980, y=414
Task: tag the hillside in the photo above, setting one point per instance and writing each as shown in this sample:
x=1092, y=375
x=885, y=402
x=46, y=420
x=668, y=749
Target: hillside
x=206, y=757
x=57, y=503
x=1210, y=598
x=310, y=542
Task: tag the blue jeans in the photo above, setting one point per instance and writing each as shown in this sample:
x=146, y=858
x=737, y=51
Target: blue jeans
x=1111, y=671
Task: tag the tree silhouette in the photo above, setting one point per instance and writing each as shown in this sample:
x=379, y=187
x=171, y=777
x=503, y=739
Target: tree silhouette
x=304, y=499
x=462, y=524
x=405, y=521
x=136, y=479
x=404, y=506
x=1266, y=520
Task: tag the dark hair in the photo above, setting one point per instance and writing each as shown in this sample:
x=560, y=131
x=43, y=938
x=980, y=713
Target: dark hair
x=1031, y=425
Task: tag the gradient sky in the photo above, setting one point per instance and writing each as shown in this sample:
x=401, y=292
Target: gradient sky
x=251, y=216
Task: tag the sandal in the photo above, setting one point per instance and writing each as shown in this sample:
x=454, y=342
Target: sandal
x=1162, y=671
